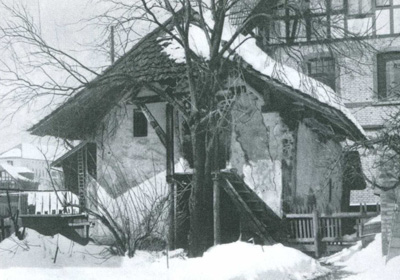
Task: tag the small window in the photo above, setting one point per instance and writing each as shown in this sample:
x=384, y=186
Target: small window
x=359, y=7
x=323, y=70
x=10, y=162
x=139, y=124
x=382, y=3
x=389, y=75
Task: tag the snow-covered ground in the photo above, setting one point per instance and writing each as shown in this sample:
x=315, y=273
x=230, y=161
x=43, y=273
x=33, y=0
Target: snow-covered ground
x=367, y=263
x=33, y=259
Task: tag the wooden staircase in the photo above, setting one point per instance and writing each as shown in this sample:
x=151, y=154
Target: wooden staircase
x=265, y=222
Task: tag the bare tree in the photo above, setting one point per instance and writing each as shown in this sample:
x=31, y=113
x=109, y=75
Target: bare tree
x=206, y=75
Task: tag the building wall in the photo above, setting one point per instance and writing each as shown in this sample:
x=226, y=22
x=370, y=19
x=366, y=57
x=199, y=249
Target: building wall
x=124, y=161
x=284, y=167
x=318, y=172
x=356, y=74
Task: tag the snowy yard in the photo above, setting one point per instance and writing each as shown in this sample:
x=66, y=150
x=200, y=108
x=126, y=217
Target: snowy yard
x=367, y=263
x=35, y=255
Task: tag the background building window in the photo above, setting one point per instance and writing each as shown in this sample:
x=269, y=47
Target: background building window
x=388, y=75
x=382, y=3
x=139, y=124
x=323, y=70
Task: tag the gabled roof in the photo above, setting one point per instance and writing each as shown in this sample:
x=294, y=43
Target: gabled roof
x=79, y=116
x=157, y=58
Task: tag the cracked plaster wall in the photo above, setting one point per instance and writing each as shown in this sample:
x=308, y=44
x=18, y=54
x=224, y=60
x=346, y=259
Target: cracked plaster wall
x=257, y=148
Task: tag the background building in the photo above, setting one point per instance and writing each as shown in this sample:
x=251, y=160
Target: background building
x=353, y=46
x=30, y=157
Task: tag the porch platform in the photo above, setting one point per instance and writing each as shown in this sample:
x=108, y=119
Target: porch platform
x=73, y=226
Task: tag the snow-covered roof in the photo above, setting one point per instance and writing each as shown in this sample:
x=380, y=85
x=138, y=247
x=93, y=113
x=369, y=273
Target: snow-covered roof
x=16, y=171
x=23, y=150
x=157, y=58
x=246, y=48
x=30, y=151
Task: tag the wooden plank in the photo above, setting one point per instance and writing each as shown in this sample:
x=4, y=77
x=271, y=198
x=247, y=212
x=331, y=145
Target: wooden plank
x=244, y=208
x=170, y=170
x=333, y=215
x=317, y=244
x=216, y=210
x=301, y=240
x=292, y=226
x=303, y=229
x=296, y=228
x=329, y=227
x=81, y=224
x=3, y=229
x=298, y=216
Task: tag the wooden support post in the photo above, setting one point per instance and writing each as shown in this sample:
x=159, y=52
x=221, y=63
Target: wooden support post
x=169, y=144
x=3, y=229
x=316, y=234
x=216, y=209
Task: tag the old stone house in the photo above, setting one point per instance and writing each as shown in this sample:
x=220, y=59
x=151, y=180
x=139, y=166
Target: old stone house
x=281, y=150
x=354, y=48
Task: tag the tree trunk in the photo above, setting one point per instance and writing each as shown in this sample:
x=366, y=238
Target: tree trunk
x=196, y=202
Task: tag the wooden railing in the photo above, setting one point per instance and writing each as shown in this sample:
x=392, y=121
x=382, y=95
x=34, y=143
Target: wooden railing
x=318, y=233
x=37, y=202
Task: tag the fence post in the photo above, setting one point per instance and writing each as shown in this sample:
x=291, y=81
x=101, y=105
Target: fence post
x=316, y=233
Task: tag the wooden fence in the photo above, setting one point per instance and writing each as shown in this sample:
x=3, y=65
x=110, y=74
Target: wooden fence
x=320, y=233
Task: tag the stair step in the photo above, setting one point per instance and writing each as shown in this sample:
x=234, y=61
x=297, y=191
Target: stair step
x=243, y=191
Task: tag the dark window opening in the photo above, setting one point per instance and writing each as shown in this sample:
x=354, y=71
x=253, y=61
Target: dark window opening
x=139, y=124
x=323, y=70
x=10, y=162
x=330, y=190
x=388, y=75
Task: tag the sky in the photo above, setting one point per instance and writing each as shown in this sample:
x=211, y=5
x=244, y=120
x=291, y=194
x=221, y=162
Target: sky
x=63, y=25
